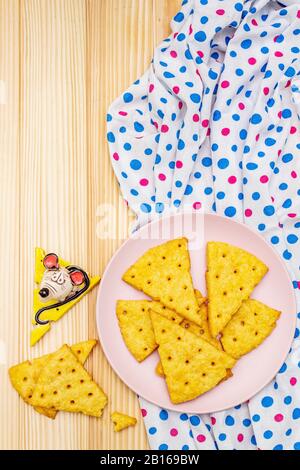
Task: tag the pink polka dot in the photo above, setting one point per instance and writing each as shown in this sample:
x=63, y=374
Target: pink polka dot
x=162, y=177
x=176, y=90
x=257, y=137
x=191, y=29
x=155, y=124
x=144, y=412
x=200, y=54
x=248, y=213
x=264, y=179
x=196, y=118
x=213, y=420
x=278, y=54
x=173, y=54
x=266, y=90
x=254, y=22
x=298, y=14
x=220, y=11
x=151, y=87
x=225, y=131
x=241, y=106
x=288, y=83
x=225, y=84
x=173, y=432
x=252, y=61
x=240, y=437
x=293, y=174
x=292, y=216
x=144, y=182
x=278, y=417
x=205, y=122
x=293, y=130
x=180, y=105
x=293, y=381
x=197, y=205
x=164, y=128
x=179, y=164
x=232, y=179
x=201, y=438
x=123, y=113
x=116, y=156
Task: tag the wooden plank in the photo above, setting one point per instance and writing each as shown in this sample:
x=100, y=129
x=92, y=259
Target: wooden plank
x=54, y=183
x=9, y=215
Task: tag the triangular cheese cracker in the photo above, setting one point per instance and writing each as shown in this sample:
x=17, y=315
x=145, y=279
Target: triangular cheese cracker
x=190, y=364
x=122, y=421
x=203, y=331
x=55, y=313
x=65, y=385
x=136, y=326
x=232, y=274
x=163, y=273
x=24, y=376
x=248, y=328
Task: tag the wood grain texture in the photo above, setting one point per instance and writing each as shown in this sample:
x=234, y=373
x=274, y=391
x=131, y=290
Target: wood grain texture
x=62, y=62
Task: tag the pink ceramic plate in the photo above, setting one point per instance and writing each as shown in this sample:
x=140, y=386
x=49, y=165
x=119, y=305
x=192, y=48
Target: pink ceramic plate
x=254, y=370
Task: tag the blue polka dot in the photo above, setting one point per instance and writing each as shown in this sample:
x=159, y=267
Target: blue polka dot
x=146, y=208
x=251, y=166
x=212, y=74
x=134, y=192
x=181, y=144
x=152, y=430
x=256, y=119
x=127, y=146
x=292, y=239
x=279, y=38
x=239, y=72
x=111, y=137
x=253, y=440
x=220, y=195
x=246, y=43
x=278, y=447
x=243, y=134
x=184, y=417
x=230, y=211
x=159, y=207
x=195, y=98
x=269, y=210
x=178, y=184
x=255, y=196
x=286, y=113
x=135, y=165
x=195, y=420
x=157, y=159
x=290, y=72
x=188, y=190
x=200, y=36
x=256, y=418
x=268, y=434
x=287, y=255
x=124, y=174
x=229, y=421
x=197, y=175
x=288, y=157
x=179, y=17
x=216, y=115
x=163, y=415
x=177, y=202
x=296, y=413
x=223, y=163
x=287, y=400
x=206, y=161
x=246, y=422
x=109, y=117
x=203, y=19
x=288, y=432
x=238, y=6
x=148, y=151
x=274, y=240
x=261, y=227
x=264, y=50
x=269, y=142
x=181, y=37
x=127, y=97
x=297, y=446
x=283, y=186
x=222, y=437
x=185, y=447
x=267, y=402
x=138, y=127
x=208, y=191
x=163, y=447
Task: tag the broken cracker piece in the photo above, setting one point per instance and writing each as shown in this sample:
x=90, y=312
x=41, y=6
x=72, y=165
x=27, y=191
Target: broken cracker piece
x=122, y=421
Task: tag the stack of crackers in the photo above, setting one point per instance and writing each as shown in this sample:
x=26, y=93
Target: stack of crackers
x=199, y=339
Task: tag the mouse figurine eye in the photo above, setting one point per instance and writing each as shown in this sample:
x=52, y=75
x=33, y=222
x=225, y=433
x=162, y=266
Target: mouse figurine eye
x=51, y=261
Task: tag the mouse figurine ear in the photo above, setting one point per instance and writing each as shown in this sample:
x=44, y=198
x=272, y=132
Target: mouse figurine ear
x=77, y=278
x=51, y=261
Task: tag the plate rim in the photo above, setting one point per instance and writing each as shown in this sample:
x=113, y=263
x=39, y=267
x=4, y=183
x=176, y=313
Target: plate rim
x=134, y=235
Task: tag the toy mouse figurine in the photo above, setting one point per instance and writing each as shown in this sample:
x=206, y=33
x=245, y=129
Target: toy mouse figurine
x=61, y=284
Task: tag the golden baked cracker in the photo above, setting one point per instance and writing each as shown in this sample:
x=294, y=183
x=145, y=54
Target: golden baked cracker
x=165, y=311
x=65, y=385
x=25, y=375
x=232, y=274
x=248, y=328
x=136, y=327
x=122, y=421
x=159, y=369
x=191, y=365
x=163, y=273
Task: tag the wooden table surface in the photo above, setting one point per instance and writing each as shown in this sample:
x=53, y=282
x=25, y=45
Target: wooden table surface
x=61, y=63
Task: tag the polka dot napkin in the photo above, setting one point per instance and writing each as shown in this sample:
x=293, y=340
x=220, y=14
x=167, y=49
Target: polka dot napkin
x=214, y=125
